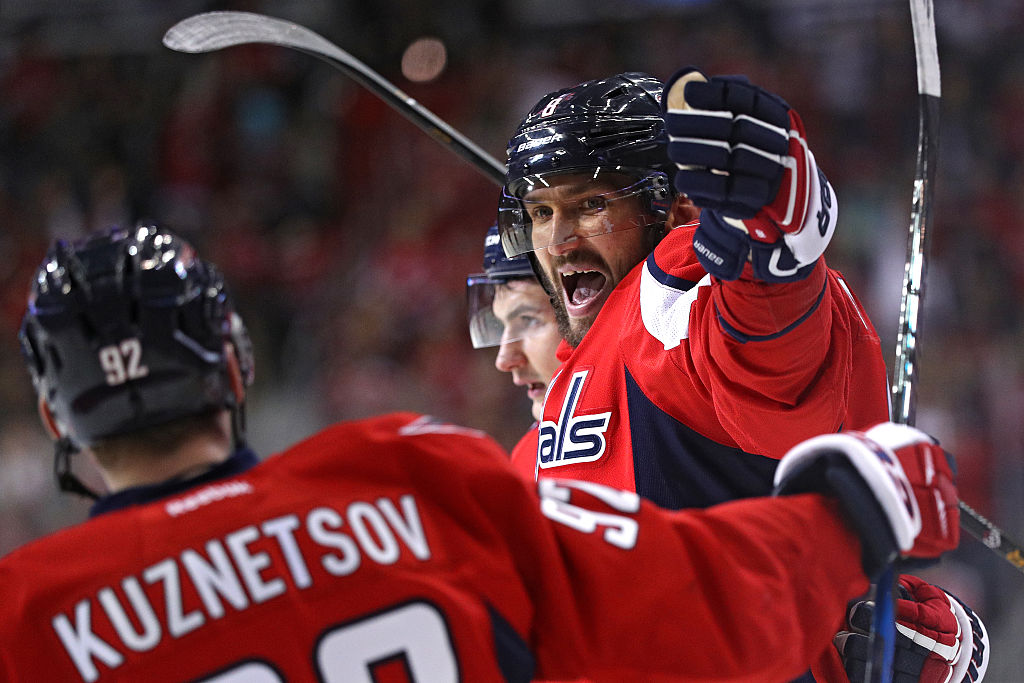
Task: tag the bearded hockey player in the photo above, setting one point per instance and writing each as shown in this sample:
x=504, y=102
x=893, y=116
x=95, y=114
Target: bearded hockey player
x=682, y=242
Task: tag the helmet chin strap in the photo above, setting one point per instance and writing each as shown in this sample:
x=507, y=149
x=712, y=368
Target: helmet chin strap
x=64, y=448
x=538, y=272
x=238, y=382
x=238, y=426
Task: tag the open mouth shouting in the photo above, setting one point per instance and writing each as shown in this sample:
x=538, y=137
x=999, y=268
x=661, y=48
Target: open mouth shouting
x=584, y=290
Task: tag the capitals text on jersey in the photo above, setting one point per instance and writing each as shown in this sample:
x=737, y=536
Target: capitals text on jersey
x=574, y=438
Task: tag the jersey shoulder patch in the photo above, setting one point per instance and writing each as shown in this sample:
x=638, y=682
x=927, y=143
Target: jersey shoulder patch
x=665, y=303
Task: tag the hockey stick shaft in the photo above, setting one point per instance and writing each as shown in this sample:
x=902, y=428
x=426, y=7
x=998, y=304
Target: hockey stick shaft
x=991, y=536
x=905, y=376
x=211, y=31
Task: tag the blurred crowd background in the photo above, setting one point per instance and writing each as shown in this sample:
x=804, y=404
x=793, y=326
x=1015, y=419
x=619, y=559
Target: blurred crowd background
x=347, y=232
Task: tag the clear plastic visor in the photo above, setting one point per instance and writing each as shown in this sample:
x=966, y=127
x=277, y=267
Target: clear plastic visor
x=533, y=222
x=485, y=328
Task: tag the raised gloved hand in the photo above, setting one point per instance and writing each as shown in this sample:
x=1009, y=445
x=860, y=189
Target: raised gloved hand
x=894, y=482
x=743, y=159
x=939, y=639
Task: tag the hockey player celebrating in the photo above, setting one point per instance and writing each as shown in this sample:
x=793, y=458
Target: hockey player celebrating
x=705, y=349
x=509, y=309
x=397, y=545
x=682, y=241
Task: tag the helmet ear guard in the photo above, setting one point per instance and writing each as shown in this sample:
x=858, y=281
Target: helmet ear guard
x=658, y=197
x=48, y=420
x=241, y=362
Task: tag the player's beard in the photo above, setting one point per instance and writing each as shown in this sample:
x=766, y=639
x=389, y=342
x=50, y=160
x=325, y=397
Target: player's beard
x=574, y=329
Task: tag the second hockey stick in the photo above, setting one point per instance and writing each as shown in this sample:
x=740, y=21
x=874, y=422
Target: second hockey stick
x=212, y=31
x=904, y=395
x=905, y=375
x=908, y=339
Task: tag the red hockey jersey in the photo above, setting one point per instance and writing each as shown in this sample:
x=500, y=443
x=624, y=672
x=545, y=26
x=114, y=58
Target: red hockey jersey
x=400, y=548
x=524, y=454
x=687, y=390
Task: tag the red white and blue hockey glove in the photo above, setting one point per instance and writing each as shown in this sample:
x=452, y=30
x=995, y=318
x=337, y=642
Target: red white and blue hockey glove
x=939, y=639
x=742, y=157
x=894, y=483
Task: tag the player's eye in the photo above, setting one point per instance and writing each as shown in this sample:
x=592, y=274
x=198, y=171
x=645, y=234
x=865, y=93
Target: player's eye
x=539, y=213
x=594, y=203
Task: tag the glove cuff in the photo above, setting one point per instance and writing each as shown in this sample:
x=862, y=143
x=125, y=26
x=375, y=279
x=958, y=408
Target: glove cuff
x=876, y=465
x=721, y=249
x=869, y=483
x=775, y=263
x=809, y=242
x=974, y=656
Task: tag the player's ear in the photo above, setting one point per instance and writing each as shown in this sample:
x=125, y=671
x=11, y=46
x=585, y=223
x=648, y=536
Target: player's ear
x=234, y=373
x=47, y=418
x=682, y=211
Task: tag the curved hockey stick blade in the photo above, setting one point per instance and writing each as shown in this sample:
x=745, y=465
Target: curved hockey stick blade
x=213, y=31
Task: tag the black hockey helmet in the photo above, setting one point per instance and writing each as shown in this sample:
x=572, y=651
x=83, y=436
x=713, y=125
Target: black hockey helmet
x=126, y=330
x=497, y=266
x=609, y=125
x=484, y=328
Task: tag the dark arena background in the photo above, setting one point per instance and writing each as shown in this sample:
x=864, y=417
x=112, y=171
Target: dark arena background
x=347, y=232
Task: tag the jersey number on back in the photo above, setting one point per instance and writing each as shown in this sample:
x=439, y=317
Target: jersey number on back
x=415, y=634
